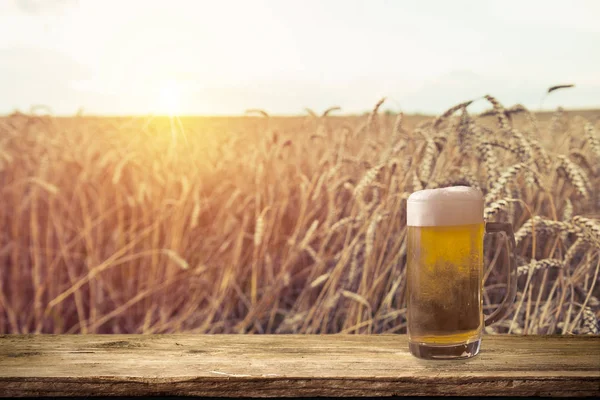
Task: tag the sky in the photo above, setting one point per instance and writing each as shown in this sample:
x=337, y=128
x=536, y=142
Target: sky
x=223, y=57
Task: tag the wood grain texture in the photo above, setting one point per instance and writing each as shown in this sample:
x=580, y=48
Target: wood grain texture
x=290, y=366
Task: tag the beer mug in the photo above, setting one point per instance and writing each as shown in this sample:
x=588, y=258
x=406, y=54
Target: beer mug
x=445, y=272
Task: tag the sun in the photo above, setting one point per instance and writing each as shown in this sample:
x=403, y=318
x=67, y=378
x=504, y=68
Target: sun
x=170, y=97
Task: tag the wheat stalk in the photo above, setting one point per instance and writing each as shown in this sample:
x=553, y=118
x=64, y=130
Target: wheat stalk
x=534, y=266
x=557, y=87
x=398, y=123
x=373, y=115
x=500, y=185
x=176, y=258
x=416, y=182
x=589, y=322
x=428, y=160
x=516, y=109
x=309, y=234
x=495, y=207
x=577, y=246
x=592, y=139
x=355, y=266
x=589, y=225
x=366, y=181
x=542, y=158
x=543, y=225
x=500, y=112
x=575, y=175
x=330, y=110
x=259, y=230
x=439, y=120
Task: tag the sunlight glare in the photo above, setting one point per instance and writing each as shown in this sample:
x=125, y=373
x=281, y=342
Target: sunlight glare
x=170, y=97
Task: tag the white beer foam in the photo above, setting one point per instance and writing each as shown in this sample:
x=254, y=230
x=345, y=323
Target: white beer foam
x=456, y=205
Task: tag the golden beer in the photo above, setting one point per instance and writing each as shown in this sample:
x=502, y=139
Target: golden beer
x=445, y=272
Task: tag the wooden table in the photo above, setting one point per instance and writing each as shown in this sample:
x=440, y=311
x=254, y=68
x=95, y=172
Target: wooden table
x=290, y=366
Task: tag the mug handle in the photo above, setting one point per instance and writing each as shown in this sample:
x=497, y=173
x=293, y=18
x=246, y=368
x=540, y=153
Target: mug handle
x=502, y=310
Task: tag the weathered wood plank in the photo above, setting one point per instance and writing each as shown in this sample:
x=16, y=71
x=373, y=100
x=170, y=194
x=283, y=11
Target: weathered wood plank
x=290, y=366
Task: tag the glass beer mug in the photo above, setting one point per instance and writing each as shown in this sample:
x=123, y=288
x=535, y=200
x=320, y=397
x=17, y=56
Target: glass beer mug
x=445, y=272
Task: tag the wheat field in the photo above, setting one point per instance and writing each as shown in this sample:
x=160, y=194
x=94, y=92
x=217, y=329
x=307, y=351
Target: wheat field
x=261, y=224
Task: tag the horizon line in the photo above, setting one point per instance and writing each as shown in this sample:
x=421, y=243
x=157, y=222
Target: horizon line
x=254, y=114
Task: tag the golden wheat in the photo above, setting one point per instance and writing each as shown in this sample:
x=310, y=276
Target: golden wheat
x=288, y=225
